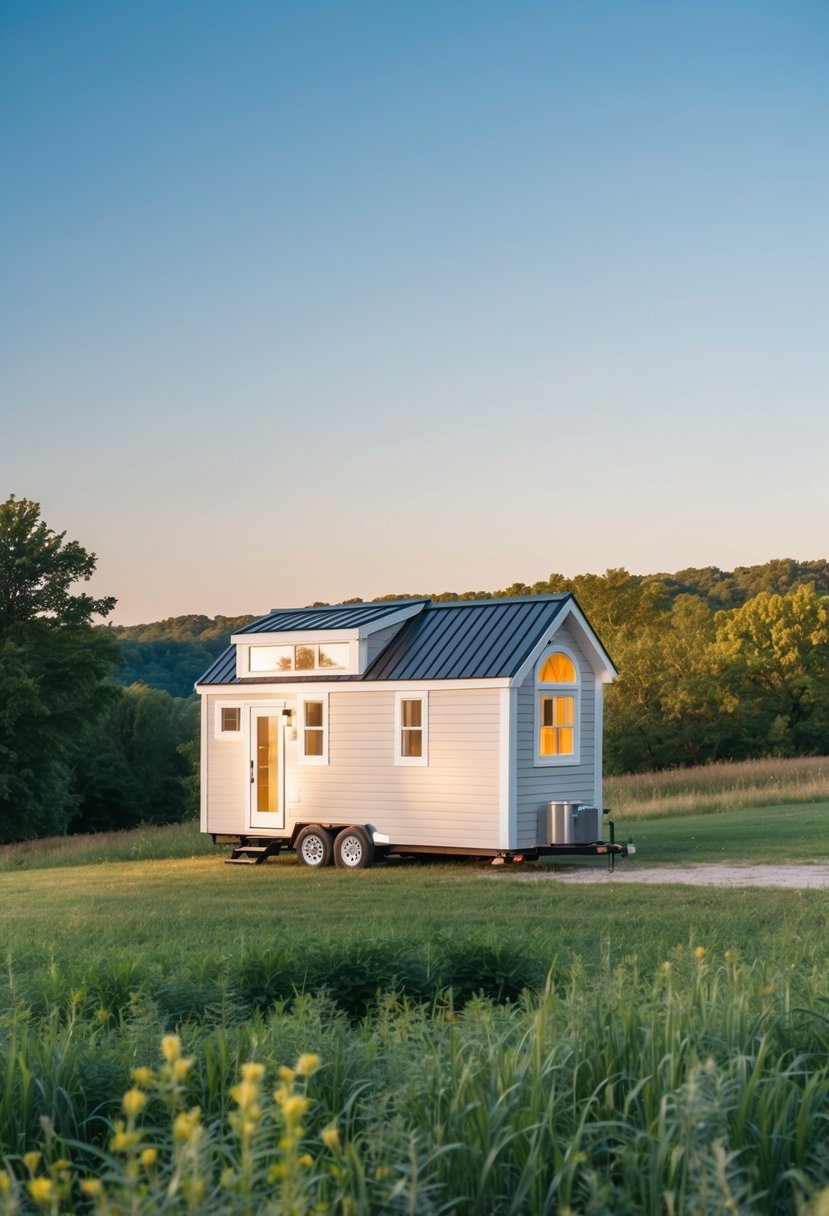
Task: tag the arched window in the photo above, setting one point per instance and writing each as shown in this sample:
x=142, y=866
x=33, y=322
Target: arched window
x=557, y=702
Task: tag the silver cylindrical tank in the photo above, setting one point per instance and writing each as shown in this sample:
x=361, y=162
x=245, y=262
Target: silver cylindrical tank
x=562, y=822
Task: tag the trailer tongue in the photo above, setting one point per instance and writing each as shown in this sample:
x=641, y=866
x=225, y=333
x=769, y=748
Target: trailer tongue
x=572, y=829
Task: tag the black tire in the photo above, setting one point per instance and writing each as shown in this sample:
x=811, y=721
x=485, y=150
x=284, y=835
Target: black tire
x=353, y=849
x=314, y=847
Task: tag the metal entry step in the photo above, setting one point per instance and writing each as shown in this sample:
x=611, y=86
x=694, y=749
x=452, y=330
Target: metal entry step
x=253, y=854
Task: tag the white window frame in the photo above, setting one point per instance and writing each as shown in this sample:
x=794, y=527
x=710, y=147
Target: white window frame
x=557, y=690
x=411, y=761
x=245, y=648
x=319, y=698
x=226, y=735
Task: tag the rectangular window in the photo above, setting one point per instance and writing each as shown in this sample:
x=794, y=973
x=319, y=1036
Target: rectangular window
x=328, y=656
x=227, y=723
x=333, y=655
x=271, y=658
x=557, y=727
x=313, y=730
x=411, y=729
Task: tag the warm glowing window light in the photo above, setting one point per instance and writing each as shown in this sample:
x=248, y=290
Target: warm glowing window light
x=557, y=707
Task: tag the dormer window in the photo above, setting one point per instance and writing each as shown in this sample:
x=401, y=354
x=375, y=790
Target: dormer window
x=311, y=656
x=557, y=709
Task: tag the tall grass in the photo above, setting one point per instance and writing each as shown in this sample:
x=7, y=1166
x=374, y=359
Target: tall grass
x=718, y=787
x=144, y=843
x=701, y=1088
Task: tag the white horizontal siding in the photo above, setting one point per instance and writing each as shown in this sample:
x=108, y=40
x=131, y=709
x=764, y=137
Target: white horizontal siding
x=536, y=785
x=452, y=802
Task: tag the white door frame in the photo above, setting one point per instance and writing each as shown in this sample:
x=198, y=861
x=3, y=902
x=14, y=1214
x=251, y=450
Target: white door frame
x=266, y=819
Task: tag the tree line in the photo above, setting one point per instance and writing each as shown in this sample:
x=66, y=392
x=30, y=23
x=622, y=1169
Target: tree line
x=99, y=724
x=713, y=664
x=78, y=751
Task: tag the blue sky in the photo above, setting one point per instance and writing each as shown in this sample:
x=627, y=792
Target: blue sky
x=306, y=301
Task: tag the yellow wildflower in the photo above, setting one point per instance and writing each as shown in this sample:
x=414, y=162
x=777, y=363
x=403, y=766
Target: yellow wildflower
x=41, y=1189
x=252, y=1072
x=91, y=1187
x=181, y=1068
x=306, y=1159
x=729, y=956
x=307, y=1063
x=286, y=1074
x=5, y=1183
x=227, y=1179
x=31, y=1161
x=171, y=1047
x=331, y=1137
x=133, y=1101
x=295, y=1106
x=665, y=968
x=767, y=990
x=186, y=1125
x=62, y=1164
x=143, y=1076
x=148, y=1157
x=123, y=1141
x=699, y=953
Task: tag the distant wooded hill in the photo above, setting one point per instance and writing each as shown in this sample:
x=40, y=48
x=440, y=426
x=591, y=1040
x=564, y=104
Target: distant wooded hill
x=173, y=653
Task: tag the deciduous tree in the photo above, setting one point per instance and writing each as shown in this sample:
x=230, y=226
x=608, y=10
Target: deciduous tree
x=54, y=666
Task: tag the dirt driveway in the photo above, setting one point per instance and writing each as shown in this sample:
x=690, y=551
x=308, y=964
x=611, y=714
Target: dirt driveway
x=695, y=874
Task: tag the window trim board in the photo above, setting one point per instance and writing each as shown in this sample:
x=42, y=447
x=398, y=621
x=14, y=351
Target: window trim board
x=400, y=760
x=539, y=691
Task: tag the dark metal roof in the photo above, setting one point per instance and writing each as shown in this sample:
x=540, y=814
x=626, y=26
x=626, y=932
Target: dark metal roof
x=466, y=641
x=221, y=670
x=336, y=616
x=461, y=640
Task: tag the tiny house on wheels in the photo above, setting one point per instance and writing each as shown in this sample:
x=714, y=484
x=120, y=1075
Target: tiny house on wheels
x=351, y=731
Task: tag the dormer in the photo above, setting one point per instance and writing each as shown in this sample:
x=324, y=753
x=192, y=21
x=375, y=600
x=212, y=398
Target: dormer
x=315, y=643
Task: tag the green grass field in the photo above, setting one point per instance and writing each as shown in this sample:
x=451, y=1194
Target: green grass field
x=487, y=1045
x=796, y=833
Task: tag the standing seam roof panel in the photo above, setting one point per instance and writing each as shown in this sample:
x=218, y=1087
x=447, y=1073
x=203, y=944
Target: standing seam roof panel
x=524, y=636
x=503, y=647
x=433, y=645
x=462, y=641
x=436, y=643
x=310, y=619
x=467, y=645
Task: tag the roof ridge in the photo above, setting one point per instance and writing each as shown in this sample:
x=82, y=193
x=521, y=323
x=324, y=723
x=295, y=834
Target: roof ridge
x=552, y=597
x=420, y=599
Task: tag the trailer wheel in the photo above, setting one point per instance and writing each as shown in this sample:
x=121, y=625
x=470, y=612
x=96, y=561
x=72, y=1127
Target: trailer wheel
x=314, y=847
x=353, y=849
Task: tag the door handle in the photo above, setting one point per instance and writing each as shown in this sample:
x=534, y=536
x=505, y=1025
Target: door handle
x=252, y=778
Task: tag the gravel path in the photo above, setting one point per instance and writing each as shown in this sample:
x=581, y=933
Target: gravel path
x=695, y=874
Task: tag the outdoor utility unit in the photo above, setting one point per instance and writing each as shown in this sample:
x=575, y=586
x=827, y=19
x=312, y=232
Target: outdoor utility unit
x=572, y=823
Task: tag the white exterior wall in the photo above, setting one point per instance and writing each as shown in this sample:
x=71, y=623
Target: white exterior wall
x=455, y=801
x=536, y=785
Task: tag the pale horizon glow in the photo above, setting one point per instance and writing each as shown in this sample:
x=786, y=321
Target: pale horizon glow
x=311, y=302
